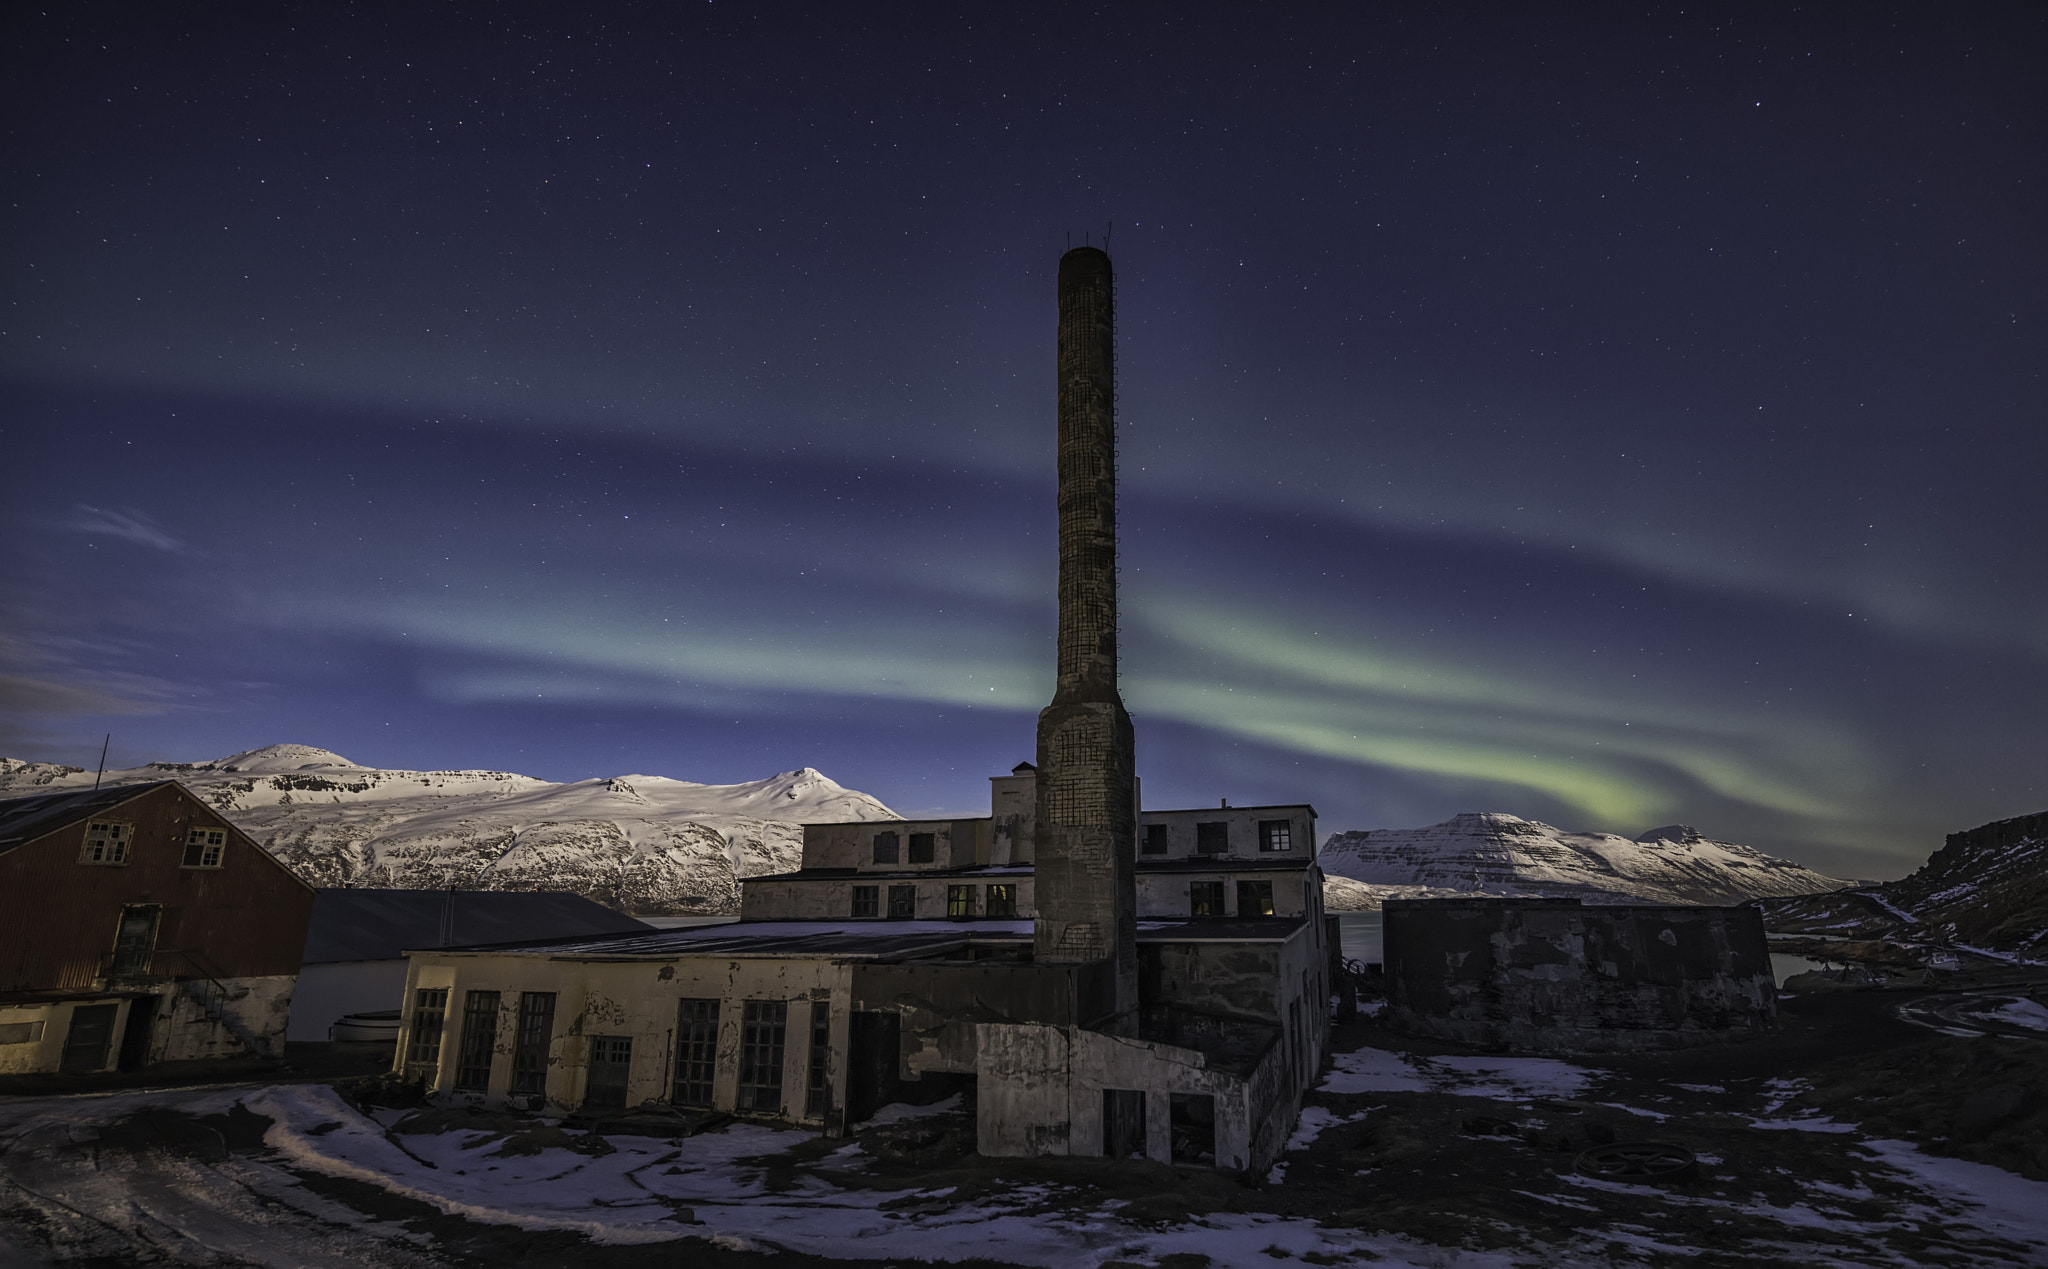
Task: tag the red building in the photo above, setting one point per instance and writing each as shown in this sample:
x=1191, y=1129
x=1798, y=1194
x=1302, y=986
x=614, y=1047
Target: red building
x=138, y=926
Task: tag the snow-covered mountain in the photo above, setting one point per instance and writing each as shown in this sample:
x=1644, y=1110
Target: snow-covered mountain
x=643, y=844
x=1506, y=855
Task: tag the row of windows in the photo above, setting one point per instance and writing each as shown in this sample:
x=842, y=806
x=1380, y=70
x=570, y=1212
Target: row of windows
x=763, y=1045
x=1254, y=898
x=924, y=848
x=1213, y=837
x=998, y=901
x=107, y=842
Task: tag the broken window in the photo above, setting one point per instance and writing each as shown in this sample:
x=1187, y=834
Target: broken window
x=761, y=1038
x=885, y=848
x=429, y=1014
x=1254, y=898
x=1212, y=838
x=1205, y=898
x=902, y=903
x=1193, y=1119
x=959, y=901
x=479, y=1037
x=696, y=1050
x=106, y=842
x=204, y=847
x=819, y=1099
x=21, y=1032
x=867, y=901
x=923, y=847
x=1002, y=900
x=530, y=1045
x=1275, y=835
x=135, y=940
x=1154, y=841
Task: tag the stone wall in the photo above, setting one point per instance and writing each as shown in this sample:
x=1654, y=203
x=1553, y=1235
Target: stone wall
x=1546, y=975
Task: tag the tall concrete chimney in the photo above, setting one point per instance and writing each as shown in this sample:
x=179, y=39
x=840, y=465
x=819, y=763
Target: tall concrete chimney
x=1086, y=851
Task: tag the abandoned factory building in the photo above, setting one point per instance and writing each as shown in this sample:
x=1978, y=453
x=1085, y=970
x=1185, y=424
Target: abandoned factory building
x=1113, y=981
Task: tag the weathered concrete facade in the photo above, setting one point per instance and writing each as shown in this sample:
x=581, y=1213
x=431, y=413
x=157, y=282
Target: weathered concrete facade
x=1547, y=975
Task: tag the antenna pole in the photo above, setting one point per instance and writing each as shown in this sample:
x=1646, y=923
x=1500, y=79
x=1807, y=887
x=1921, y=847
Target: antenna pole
x=101, y=773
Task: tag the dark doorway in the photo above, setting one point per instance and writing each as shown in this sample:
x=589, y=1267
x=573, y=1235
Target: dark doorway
x=871, y=1062
x=611, y=1061
x=1193, y=1117
x=135, y=941
x=1123, y=1123
x=135, y=1036
x=91, y=1035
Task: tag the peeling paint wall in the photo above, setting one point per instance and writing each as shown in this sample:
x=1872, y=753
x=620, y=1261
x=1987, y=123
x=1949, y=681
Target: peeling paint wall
x=1554, y=976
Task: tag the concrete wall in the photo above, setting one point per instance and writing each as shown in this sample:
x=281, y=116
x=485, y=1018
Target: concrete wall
x=636, y=999
x=831, y=898
x=942, y=1005
x=1554, y=976
x=329, y=990
x=1165, y=895
x=181, y=1029
x=1242, y=831
x=957, y=844
x=36, y=1034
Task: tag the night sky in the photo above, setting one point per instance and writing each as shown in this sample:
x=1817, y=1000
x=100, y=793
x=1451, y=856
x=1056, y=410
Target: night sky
x=1615, y=416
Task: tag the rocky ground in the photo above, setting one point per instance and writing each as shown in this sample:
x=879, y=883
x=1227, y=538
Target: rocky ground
x=1851, y=1137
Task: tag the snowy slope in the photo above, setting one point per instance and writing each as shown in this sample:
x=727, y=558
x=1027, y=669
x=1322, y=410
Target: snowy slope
x=1503, y=854
x=644, y=844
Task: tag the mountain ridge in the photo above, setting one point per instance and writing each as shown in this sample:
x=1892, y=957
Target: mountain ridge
x=650, y=845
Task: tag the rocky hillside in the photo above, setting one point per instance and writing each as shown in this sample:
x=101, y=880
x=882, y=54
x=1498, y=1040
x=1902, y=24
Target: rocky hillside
x=1985, y=888
x=1501, y=854
x=643, y=844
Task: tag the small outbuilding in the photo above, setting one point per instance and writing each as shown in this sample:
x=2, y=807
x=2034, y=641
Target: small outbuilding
x=1558, y=976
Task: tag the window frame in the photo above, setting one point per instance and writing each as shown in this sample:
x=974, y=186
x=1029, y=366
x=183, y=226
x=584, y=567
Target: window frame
x=909, y=895
x=889, y=854
x=1262, y=891
x=818, y=1096
x=1205, y=893
x=764, y=1037
x=533, y=1038
x=960, y=902
x=1003, y=904
x=696, y=1074
x=1212, y=837
x=209, y=854
x=113, y=848
x=479, y=1041
x=429, y=1019
x=1153, y=840
x=1281, y=830
x=866, y=903
x=922, y=848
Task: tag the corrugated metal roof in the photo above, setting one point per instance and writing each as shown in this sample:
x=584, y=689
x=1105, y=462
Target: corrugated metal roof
x=382, y=925
x=876, y=939
x=24, y=819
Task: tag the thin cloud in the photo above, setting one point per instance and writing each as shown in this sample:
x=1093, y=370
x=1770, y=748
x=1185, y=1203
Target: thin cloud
x=128, y=526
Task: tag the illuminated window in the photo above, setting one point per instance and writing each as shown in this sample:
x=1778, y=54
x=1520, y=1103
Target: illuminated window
x=959, y=901
x=204, y=846
x=1205, y=898
x=923, y=847
x=885, y=848
x=867, y=901
x=1254, y=898
x=106, y=842
x=1002, y=900
x=1274, y=835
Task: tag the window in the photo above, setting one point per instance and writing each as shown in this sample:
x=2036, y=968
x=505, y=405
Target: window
x=1274, y=835
x=1254, y=898
x=696, y=1051
x=1002, y=900
x=885, y=848
x=959, y=901
x=902, y=903
x=1212, y=838
x=1205, y=898
x=1154, y=840
x=429, y=1015
x=106, y=842
x=867, y=901
x=479, y=1037
x=761, y=1035
x=923, y=847
x=530, y=1045
x=820, y=1092
x=21, y=1032
x=204, y=846
x=135, y=940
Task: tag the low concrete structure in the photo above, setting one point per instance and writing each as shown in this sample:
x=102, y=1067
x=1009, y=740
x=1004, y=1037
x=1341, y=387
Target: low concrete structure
x=1558, y=976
